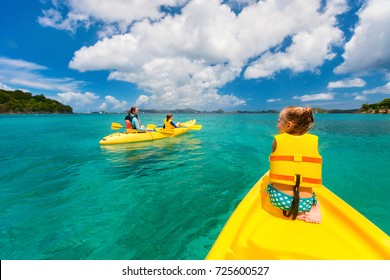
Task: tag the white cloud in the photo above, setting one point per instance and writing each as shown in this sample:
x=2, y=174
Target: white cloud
x=31, y=83
x=53, y=18
x=78, y=101
x=5, y=87
x=25, y=75
x=142, y=100
x=80, y=98
x=193, y=86
x=313, y=35
x=347, y=83
x=20, y=73
x=379, y=90
x=368, y=49
x=19, y=64
x=189, y=56
x=81, y=102
x=271, y=100
x=117, y=15
x=308, y=50
x=111, y=104
x=360, y=97
x=315, y=97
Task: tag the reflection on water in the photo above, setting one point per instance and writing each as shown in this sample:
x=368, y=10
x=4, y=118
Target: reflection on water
x=157, y=144
x=152, y=149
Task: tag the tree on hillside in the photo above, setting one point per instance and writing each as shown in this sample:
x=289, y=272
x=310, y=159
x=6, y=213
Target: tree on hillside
x=383, y=105
x=24, y=102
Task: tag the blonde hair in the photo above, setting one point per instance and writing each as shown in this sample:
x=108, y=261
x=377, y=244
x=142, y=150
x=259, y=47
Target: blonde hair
x=302, y=118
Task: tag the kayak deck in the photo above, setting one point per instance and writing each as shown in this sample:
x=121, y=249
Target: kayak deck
x=258, y=230
x=130, y=137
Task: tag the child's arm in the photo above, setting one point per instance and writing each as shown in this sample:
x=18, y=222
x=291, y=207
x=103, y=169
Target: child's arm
x=273, y=146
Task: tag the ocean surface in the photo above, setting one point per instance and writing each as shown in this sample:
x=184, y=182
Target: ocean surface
x=63, y=196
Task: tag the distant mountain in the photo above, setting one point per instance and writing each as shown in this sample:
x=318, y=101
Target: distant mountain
x=19, y=102
x=176, y=111
x=257, y=112
x=334, y=111
x=193, y=111
x=220, y=111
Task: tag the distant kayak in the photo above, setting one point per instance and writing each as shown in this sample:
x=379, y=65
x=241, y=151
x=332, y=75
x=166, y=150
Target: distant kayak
x=159, y=133
x=258, y=230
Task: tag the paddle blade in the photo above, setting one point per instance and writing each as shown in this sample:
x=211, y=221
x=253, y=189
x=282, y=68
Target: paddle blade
x=116, y=126
x=151, y=126
x=196, y=127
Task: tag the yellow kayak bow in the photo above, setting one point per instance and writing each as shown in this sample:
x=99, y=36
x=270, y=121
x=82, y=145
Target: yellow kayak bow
x=258, y=230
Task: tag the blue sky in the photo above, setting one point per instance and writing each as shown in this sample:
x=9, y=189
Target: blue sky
x=108, y=55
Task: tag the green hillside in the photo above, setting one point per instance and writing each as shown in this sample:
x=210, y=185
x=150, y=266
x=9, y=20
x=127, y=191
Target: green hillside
x=381, y=107
x=19, y=102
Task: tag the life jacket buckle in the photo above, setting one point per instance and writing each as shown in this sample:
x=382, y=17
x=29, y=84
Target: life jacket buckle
x=297, y=158
x=295, y=203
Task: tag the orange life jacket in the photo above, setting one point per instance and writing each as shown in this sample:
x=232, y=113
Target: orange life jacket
x=129, y=123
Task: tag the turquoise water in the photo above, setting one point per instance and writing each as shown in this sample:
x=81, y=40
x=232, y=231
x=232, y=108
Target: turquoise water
x=63, y=196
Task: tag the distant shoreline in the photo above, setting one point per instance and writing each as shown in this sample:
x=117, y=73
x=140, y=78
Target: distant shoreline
x=322, y=111
x=376, y=112
x=19, y=102
x=316, y=110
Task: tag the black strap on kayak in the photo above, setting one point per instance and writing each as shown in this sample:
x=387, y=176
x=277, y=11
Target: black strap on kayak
x=295, y=203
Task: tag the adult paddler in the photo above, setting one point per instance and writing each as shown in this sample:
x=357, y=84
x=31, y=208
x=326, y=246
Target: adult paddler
x=132, y=120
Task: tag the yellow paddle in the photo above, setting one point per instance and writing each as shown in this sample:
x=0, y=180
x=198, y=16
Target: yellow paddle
x=116, y=126
x=151, y=126
x=159, y=129
x=193, y=127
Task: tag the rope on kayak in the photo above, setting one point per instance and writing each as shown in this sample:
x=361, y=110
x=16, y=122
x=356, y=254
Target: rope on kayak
x=295, y=203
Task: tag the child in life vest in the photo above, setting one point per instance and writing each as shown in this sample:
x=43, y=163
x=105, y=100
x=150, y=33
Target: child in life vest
x=169, y=124
x=295, y=166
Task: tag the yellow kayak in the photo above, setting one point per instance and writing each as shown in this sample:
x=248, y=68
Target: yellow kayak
x=258, y=230
x=129, y=137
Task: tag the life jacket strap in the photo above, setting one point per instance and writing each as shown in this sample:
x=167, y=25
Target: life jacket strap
x=295, y=203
